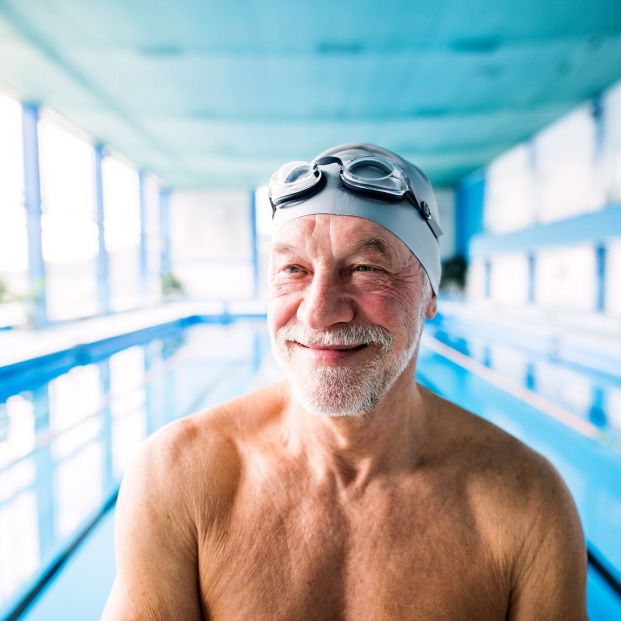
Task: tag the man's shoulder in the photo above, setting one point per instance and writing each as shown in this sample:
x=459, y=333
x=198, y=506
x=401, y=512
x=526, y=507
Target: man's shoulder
x=499, y=462
x=206, y=444
x=222, y=422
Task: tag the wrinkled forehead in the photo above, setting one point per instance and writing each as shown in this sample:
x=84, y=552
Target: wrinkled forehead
x=340, y=232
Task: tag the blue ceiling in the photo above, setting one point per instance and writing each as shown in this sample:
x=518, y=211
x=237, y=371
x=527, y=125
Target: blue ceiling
x=214, y=94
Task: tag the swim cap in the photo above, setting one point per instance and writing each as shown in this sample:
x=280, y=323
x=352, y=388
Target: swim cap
x=400, y=218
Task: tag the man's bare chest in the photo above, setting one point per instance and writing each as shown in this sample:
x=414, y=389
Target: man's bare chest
x=386, y=557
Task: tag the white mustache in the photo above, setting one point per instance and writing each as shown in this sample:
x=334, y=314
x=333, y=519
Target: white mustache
x=343, y=336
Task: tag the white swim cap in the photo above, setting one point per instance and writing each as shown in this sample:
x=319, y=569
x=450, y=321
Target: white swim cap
x=400, y=217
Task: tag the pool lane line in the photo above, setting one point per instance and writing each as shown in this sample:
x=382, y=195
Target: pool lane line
x=595, y=559
x=601, y=567
x=47, y=436
x=56, y=565
x=529, y=397
x=468, y=363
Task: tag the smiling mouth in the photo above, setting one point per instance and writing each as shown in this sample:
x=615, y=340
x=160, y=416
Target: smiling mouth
x=347, y=348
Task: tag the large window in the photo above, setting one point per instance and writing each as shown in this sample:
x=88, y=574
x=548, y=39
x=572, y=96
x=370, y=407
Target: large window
x=122, y=232
x=612, y=143
x=211, y=244
x=264, y=235
x=152, y=232
x=613, y=278
x=565, y=155
x=476, y=279
x=510, y=197
x=566, y=279
x=69, y=225
x=13, y=236
x=509, y=279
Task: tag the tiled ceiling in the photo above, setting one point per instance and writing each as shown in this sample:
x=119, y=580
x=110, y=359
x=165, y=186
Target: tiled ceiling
x=217, y=94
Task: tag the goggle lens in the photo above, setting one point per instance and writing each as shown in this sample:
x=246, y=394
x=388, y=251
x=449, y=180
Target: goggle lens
x=292, y=173
x=366, y=169
x=375, y=173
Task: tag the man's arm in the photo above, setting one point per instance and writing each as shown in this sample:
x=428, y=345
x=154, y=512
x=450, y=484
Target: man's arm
x=156, y=548
x=550, y=574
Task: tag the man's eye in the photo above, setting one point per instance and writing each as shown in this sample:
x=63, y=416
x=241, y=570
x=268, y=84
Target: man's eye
x=365, y=268
x=291, y=269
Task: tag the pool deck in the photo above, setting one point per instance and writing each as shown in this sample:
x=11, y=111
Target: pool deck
x=22, y=344
x=593, y=341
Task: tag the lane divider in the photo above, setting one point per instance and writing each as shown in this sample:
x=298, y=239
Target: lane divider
x=529, y=397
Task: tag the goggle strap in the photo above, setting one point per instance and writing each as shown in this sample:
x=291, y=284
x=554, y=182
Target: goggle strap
x=423, y=207
x=313, y=189
x=425, y=213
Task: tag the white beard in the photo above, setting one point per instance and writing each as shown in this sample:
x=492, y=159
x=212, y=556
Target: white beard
x=344, y=390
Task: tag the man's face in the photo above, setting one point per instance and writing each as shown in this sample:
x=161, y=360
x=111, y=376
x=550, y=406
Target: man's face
x=346, y=306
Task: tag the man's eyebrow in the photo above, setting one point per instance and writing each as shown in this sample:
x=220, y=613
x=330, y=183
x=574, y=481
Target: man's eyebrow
x=376, y=245
x=283, y=248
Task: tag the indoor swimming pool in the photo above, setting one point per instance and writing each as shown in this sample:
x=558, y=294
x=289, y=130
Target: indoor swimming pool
x=69, y=426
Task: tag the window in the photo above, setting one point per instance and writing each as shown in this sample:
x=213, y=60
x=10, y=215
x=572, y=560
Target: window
x=122, y=232
x=566, y=166
x=152, y=232
x=475, y=285
x=13, y=233
x=612, y=143
x=566, y=278
x=612, y=294
x=211, y=244
x=69, y=226
x=510, y=197
x=509, y=279
x=264, y=235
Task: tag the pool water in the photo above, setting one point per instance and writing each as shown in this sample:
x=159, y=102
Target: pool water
x=65, y=441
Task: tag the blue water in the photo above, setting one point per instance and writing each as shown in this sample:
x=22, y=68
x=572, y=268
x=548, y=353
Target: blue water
x=65, y=442
x=590, y=394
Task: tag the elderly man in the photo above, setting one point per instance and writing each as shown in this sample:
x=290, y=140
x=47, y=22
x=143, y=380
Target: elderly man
x=347, y=491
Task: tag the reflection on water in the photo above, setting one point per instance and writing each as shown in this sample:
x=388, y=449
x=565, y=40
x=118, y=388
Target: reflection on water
x=17, y=427
x=78, y=487
x=19, y=540
x=65, y=443
x=586, y=393
x=590, y=467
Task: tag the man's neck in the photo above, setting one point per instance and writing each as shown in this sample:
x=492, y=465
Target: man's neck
x=353, y=450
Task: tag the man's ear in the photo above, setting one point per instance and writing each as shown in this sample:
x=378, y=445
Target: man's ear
x=431, y=310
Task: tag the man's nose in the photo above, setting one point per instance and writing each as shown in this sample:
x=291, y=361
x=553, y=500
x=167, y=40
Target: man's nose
x=325, y=303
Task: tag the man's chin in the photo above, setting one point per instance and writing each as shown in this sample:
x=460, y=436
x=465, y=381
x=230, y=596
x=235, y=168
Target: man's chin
x=336, y=392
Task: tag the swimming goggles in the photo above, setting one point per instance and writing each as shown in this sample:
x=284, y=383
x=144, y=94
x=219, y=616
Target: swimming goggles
x=371, y=175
